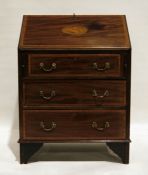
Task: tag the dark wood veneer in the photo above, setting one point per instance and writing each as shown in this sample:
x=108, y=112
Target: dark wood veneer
x=74, y=125
x=70, y=65
x=75, y=93
x=74, y=107
x=45, y=32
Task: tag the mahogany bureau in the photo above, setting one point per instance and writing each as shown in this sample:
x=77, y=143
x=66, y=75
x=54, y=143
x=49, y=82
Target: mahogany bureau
x=74, y=82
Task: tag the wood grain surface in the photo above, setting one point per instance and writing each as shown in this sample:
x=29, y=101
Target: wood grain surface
x=75, y=124
x=75, y=93
x=76, y=65
x=45, y=32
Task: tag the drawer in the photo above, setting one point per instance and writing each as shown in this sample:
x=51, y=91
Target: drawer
x=73, y=125
x=84, y=65
x=75, y=93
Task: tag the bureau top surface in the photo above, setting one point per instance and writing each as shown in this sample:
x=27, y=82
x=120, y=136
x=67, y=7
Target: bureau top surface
x=44, y=32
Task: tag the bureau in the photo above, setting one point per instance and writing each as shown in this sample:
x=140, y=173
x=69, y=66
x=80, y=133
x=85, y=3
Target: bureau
x=74, y=82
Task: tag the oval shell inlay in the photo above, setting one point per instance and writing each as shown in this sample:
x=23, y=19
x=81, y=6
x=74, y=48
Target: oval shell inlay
x=76, y=30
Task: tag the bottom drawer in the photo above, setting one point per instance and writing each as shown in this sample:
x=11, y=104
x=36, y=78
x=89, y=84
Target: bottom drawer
x=73, y=125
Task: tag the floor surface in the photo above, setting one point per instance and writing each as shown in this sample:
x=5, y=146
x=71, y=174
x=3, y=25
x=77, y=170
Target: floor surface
x=71, y=159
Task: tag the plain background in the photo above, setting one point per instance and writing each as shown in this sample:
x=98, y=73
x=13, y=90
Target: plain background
x=11, y=12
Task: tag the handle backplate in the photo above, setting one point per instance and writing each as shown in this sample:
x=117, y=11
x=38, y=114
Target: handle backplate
x=95, y=94
x=95, y=126
x=106, y=66
x=52, y=94
x=50, y=127
x=45, y=69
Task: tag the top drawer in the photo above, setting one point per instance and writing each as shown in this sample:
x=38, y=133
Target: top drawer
x=74, y=65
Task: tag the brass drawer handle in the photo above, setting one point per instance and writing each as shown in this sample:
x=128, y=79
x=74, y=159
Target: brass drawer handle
x=49, y=128
x=95, y=126
x=43, y=67
x=52, y=94
x=95, y=94
x=98, y=68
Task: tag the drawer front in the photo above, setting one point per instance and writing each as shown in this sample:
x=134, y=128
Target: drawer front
x=75, y=93
x=73, y=125
x=62, y=65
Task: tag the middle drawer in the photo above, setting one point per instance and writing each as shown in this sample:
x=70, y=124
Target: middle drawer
x=74, y=93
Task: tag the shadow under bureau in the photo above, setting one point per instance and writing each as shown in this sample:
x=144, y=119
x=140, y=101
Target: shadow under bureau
x=74, y=82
